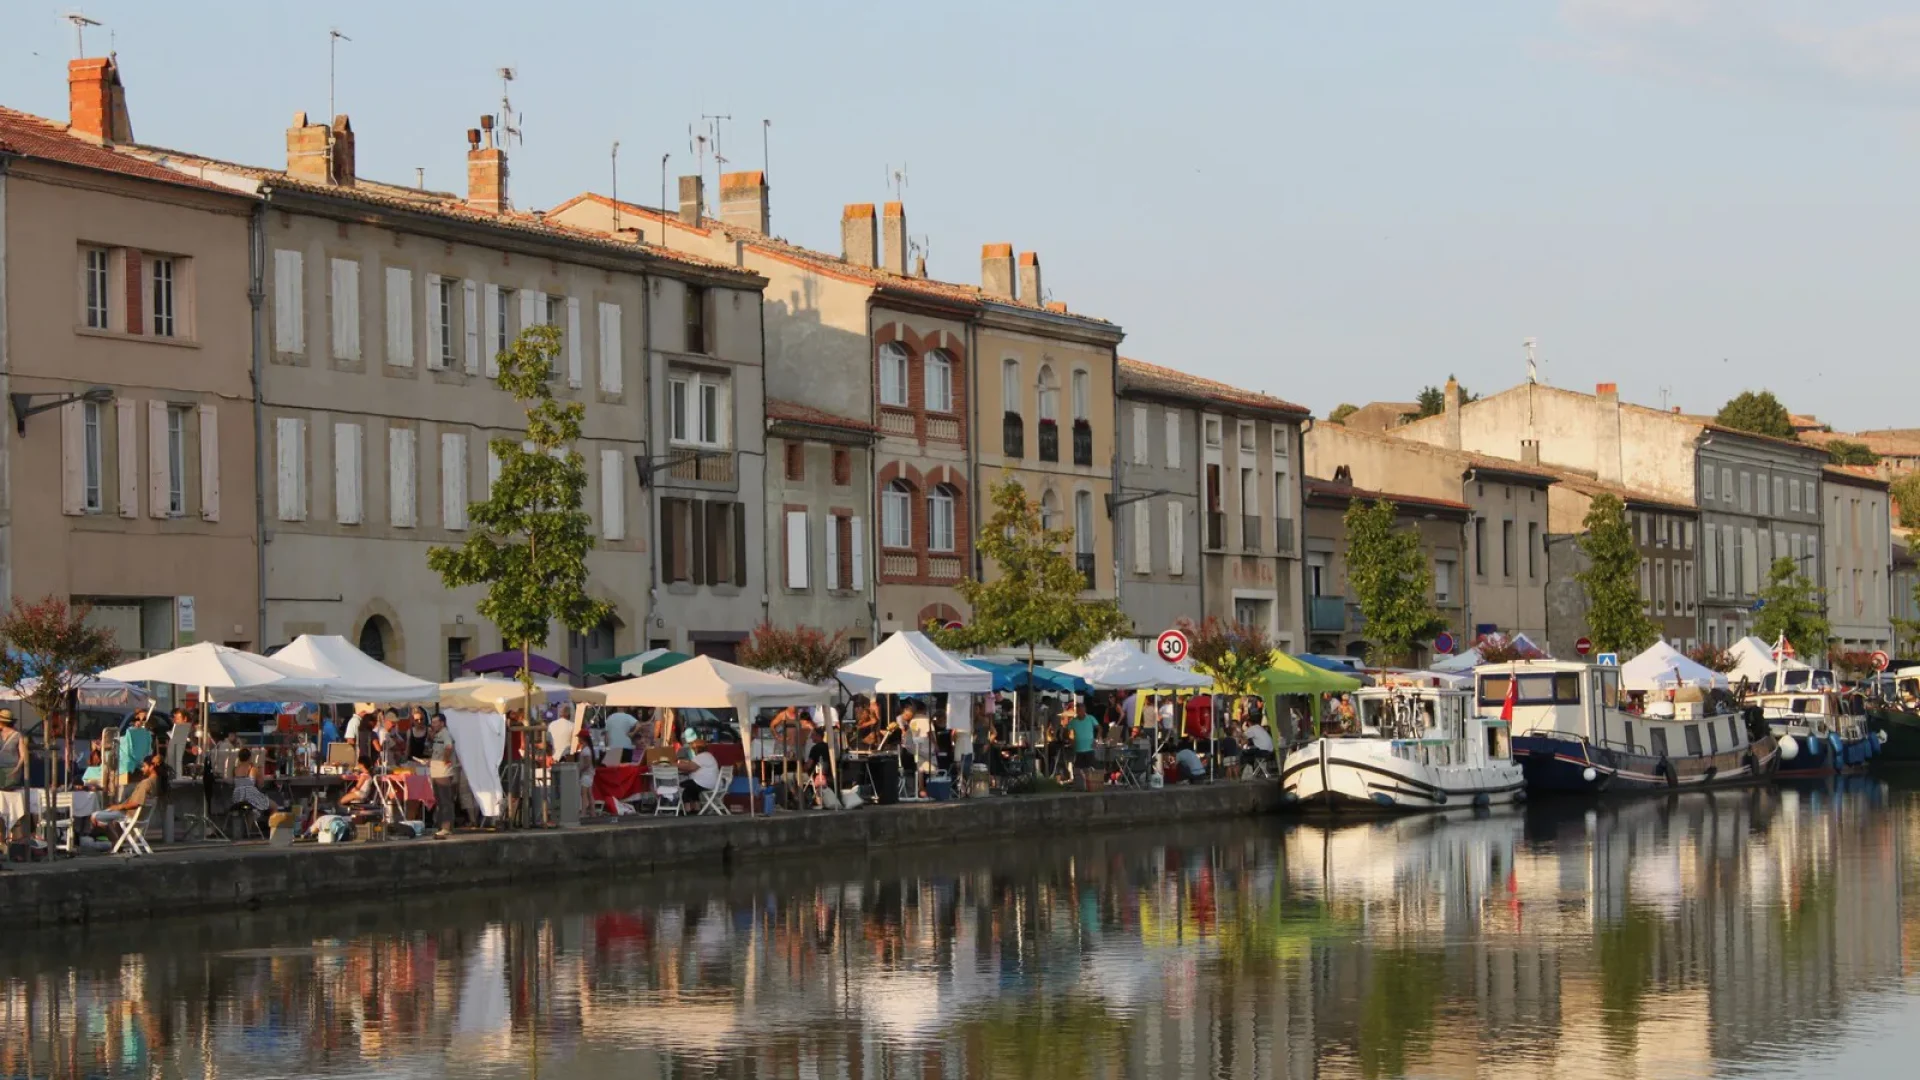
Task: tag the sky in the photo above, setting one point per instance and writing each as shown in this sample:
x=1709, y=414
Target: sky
x=1326, y=202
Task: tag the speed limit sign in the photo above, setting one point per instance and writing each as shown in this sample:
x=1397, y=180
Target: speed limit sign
x=1172, y=646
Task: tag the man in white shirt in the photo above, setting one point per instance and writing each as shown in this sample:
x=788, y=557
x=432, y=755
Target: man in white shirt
x=1259, y=745
x=698, y=775
x=620, y=727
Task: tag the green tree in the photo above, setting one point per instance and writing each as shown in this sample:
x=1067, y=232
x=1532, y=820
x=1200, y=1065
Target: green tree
x=1433, y=399
x=47, y=649
x=1233, y=654
x=1760, y=413
x=1341, y=412
x=1906, y=494
x=529, y=541
x=1712, y=657
x=1616, y=613
x=1034, y=597
x=1842, y=452
x=1391, y=582
x=1790, y=605
x=806, y=653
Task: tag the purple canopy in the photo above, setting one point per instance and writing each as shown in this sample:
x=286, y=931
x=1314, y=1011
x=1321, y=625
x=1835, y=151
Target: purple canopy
x=508, y=663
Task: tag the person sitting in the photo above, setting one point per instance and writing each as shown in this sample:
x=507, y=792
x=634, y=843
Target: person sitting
x=1191, y=768
x=1258, y=747
x=246, y=783
x=146, y=786
x=360, y=791
x=699, y=774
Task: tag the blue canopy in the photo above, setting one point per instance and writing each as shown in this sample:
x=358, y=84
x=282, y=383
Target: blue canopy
x=1008, y=675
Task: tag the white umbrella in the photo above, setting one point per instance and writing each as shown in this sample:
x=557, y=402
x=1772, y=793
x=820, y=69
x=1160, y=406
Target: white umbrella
x=1662, y=666
x=224, y=674
x=910, y=663
x=353, y=675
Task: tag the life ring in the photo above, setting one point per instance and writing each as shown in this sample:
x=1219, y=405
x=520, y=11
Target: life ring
x=1666, y=769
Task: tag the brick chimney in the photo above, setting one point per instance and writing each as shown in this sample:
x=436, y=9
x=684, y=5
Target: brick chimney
x=857, y=240
x=743, y=201
x=1607, y=391
x=320, y=154
x=996, y=270
x=486, y=170
x=693, y=200
x=893, y=238
x=1452, y=413
x=96, y=102
x=1529, y=451
x=1030, y=277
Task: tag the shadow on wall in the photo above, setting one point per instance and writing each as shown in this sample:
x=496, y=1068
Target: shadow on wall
x=815, y=363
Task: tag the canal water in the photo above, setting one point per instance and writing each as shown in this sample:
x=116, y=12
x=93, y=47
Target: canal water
x=1762, y=933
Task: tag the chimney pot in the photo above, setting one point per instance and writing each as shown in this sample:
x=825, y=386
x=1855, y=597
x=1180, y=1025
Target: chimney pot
x=1030, y=278
x=996, y=270
x=857, y=241
x=97, y=102
x=743, y=201
x=487, y=176
x=1530, y=451
x=1607, y=390
x=473, y=138
x=693, y=200
x=893, y=238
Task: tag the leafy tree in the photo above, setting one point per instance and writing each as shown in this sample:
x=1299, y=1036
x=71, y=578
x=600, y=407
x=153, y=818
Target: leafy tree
x=1712, y=657
x=1391, y=582
x=805, y=653
x=1906, y=493
x=1341, y=412
x=1034, y=597
x=1616, y=613
x=47, y=649
x=1906, y=636
x=1852, y=664
x=1234, y=654
x=529, y=540
x=1790, y=605
x=1760, y=413
x=1843, y=452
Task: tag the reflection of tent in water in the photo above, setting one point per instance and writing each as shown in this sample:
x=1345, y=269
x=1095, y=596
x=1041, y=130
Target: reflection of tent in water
x=483, y=1026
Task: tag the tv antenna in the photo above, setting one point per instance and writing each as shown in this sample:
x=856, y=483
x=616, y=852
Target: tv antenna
x=1533, y=367
x=615, y=157
x=1665, y=393
x=898, y=179
x=80, y=23
x=334, y=38
x=509, y=120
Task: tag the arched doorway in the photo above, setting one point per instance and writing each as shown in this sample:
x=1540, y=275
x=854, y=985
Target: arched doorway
x=376, y=638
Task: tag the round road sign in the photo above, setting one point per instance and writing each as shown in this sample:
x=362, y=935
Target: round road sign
x=1172, y=646
x=1583, y=646
x=1443, y=643
x=1881, y=660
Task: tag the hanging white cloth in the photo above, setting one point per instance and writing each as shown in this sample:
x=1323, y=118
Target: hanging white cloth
x=480, y=742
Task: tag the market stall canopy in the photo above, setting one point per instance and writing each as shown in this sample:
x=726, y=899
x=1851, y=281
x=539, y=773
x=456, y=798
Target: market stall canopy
x=910, y=663
x=640, y=663
x=1289, y=675
x=507, y=662
x=1013, y=675
x=706, y=683
x=225, y=674
x=1663, y=667
x=492, y=693
x=1120, y=665
x=353, y=675
x=1753, y=660
x=95, y=693
x=1472, y=658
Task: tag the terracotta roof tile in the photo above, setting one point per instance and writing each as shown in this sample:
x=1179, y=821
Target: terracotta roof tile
x=1859, y=475
x=1141, y=375
x=794, y=412
x=35, y=137
x=1588, y=484
x=1329, y=489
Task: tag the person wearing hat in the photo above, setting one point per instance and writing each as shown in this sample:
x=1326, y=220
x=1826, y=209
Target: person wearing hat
x=699, y=773
x=13, y=754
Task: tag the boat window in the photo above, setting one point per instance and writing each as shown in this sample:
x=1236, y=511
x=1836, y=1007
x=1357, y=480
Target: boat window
x=1733, y=731
x=1713, y=738
x=1498, y=742
x=1693, y=740
x=1547, y=688
x=1609, y=687
x=1909, y=687
x=1373, y=711
x=1806, y=706
x=1657, y=736
x=1630, y=746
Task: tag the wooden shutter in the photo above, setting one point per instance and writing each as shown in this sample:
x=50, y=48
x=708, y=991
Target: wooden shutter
x=675, y=511
x=859, y=546
x=158, y=499
x=699, y=557
x=471, y=314
x=738, y=511
x=576, y=366
x=210, y=462
x=796, y=548
x=1142, y=538
x=400, y=477
x=289, y=315
x=1176, y=537
x=492, y=323
x=834, y=549
x=347, y=470
x=613, y=497
x=453, y=479
x=1139, y=434
x=531, y=301
x=399, y=316
x=73, y=458
x=346, y=309
x=291, y=459
x=430, y=311
x=611, y=373
x=128, y=426
x=1173, y=439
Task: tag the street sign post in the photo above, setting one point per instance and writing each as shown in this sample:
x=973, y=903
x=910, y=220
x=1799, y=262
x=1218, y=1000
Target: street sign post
x=1443, y=643
x=1172, y=646
x=1881, y=660
x=1607, y=659
x=1583, y=646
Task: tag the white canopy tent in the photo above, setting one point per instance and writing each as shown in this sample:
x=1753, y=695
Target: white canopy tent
x=1663, y=667
x=910, y=663
x=1121, y=665
x=353, y=675
x=476, y=711
x=1753, y=660
x=498, y=693
x=224, y=674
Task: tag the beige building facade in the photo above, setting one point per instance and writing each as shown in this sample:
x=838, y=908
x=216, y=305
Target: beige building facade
x=1335, y=623
x=1858, y=566
x=128, y=461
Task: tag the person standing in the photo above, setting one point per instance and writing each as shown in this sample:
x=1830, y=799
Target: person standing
x=620, y=725
x=13, y=754
x=1081, y=727
x=443, y=769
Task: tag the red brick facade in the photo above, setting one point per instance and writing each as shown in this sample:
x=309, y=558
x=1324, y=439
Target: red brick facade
x=918, y=346
x=919, y=522
x=941, y=613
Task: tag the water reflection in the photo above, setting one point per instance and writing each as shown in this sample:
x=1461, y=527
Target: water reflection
x=1757, y=932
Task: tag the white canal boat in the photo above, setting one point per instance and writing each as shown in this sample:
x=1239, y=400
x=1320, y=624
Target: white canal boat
x=1418, y=747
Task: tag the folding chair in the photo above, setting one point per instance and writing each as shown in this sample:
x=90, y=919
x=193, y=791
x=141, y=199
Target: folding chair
x=131, y=833
x=715, y=801
x=666, y=790
x=1262, y=767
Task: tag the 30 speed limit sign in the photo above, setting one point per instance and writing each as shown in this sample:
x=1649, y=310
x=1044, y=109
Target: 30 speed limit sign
x=1172, y=646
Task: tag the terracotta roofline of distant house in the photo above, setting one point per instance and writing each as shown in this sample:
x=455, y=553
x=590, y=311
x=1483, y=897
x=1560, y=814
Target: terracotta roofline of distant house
x=1331, y=491
x=1140, y=376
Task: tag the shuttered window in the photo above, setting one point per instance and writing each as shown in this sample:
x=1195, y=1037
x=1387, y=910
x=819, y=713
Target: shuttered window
x=210, y=462
x=401, y=473
x=289, y=309
x=453, y=480
x=346, y=309
x=796, y=548
x=471, y=304
x=1173, y=439
x=611, y=372
x=73, y=499
x=291, y=460
x=576, y=363
x=836, y=545
x=1142, y=538
x=399, y=316
x=495, y=328
x=437, y=310
x=859, y=558
x=1139, y=434
x=613, y=496
x=1176, y=537
x=128, y=425
x=159, y=473
x=348, y=455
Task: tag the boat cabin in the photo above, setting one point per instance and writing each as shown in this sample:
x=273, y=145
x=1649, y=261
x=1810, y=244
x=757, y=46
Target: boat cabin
x=1429, y=724
x=1802, y=679
x=1815, y=712
x=1558, y=698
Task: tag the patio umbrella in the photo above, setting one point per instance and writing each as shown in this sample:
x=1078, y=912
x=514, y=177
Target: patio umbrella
x=507, y=662
x=491, y=693
x=224, y=674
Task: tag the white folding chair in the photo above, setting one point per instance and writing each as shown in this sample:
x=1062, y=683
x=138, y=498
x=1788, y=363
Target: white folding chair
x=715, y=801
x=666, y=790
x=131, y=833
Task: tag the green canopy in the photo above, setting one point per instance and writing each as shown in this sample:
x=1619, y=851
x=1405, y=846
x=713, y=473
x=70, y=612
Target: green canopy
x=642, y=663
x=1290, y=676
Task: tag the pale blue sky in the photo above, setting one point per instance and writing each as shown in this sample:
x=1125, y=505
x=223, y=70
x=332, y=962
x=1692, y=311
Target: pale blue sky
x=1324, y=201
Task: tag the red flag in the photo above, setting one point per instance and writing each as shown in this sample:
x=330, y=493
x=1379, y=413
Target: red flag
x=1513, y=698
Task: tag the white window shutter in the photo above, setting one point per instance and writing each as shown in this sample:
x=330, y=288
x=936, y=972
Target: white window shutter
x=493, y=468
x=399, y=316
x=611, y=378
x=346, y=309
x=1176, y=538
x=796, y=549
x=613, y=497
x=1173, y=439
x=576, y=370
x=472, y=314
x=1142, y=538
x=400, y=476
x=291, y=455
x=430, y=311
x=859, y=556
x=453, y=480
x=73, y=454
x=347, y=442
x=210, y=462
x=129, y=453
x=532, y=304
x=157, y=478
x=289, y=315
x=1139, y=434
x=491, y=355
x=833, y=552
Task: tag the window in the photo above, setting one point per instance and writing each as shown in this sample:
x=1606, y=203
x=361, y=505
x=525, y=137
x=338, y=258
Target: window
x=796, y=461
x=1049, y=395
x=697, y=320
x=940, y=519
x=842, y=467
x=1558, y=688
x=1793, y=493
x=1628, y=724
x=893, y=374
x=840, y=573
x=1692, y=598
x=502, y=331
x=939, y=379
x=176, y=460
x=1646, y=539
x=347, y=473
x=1686, y=535
x=1660, y=533
x=1693, y=739
x=164, y=324
x=1173, y=439
x=442, y=316
x=1247, y=437
x=1213, y=431
x=90, y=456
x=1083, y=522
x=1646, y=585
x=1176, y=538
x=696, y=410
x=1749, y=558
x=1011, y=399
x=1729, y=557
x=1479, y=547
x=1710, y=549
x=1659, y=586
x=896, y=515
x=344, y=280
x=1706, y=484
x=456, y=658
x=1813, y=506
x=796, y=549
x=1726, y=484
x=95, y=287
x=1506, y=549
x=1082, y=392
x=1746, y=492
x=1280, y=441
x=612, y=357
x=1442, y=581
x=1049, y=511
x=399, y=317
x=1533, y=548
x=1657, y=740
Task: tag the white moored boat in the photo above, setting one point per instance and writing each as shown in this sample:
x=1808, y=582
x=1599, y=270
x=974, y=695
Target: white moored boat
x=1417, y=747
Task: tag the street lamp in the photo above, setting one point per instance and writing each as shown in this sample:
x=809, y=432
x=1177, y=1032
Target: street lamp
x=24, y=407
x=1115, y=502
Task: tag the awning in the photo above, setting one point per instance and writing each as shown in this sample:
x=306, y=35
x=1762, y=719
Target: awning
x=352, y=675
x=910, y=663
x=639, y=663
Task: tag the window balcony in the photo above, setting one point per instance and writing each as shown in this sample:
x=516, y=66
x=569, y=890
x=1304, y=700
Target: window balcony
x=1283, y=536
x=1326, y=614
x=1082, y=442
x=1084, y=561
x=1216, y=530
x=1013, y=436
x=1250, y=532
x=1049, y=441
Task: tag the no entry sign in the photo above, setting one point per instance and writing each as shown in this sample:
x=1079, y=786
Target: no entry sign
x=1583, y=646
x=1172, y=646
x=1881, y=660
x=1443, y=643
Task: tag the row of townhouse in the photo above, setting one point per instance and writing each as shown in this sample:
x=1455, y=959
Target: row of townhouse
x=268, y=392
